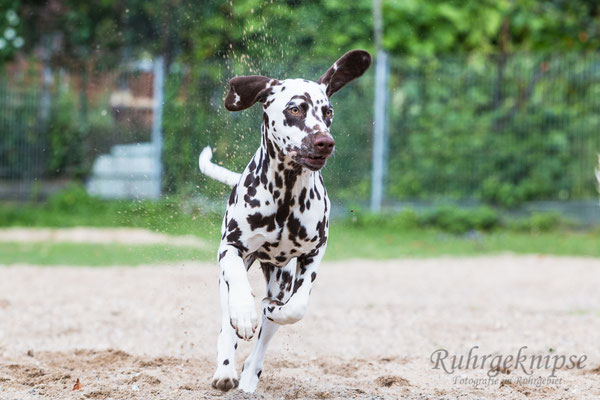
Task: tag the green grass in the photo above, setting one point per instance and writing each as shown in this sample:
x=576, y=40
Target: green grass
x=443, y=231
x=374, y=243
x=97, y=254
x=345, y=243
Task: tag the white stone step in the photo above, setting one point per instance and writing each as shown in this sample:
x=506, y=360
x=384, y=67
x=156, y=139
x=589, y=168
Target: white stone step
x=129, y=171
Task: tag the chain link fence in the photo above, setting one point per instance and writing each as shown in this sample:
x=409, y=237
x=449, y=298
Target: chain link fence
x=505, y=130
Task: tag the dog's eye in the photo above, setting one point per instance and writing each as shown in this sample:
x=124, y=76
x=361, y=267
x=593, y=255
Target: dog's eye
x=295, y=110
x=329, y=113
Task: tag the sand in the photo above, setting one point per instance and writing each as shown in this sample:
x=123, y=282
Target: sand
x=129, y=236
x=150, y=332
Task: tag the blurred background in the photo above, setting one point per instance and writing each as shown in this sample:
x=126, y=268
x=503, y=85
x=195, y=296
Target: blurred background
x=476, y=130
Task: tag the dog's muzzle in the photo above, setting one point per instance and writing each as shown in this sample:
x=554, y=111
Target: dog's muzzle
x=321, y=148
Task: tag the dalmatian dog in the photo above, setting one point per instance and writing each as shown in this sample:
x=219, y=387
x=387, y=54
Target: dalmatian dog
x=278, y=210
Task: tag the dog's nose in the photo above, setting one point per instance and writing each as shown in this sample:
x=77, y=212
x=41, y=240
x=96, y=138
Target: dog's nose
x=323, y=143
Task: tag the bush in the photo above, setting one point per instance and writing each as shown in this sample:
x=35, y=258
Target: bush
x=457, y=220
x=75, y=199
x=406, y=219
x=537, y=222
x=65, y=135
x=450, y=219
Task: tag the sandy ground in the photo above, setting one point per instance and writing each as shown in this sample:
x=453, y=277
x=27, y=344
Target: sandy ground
x=150, y=332
x=131, y=236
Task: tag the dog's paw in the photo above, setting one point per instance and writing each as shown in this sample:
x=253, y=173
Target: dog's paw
x=249, y=379
x=225, y=378
x=243, y=318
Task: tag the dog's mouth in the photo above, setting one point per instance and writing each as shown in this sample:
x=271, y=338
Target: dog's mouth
x=308, y=159
x=314, y=161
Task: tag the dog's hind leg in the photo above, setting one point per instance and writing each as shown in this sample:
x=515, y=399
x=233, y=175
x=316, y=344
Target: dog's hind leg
x=293, y=308
x=254, y=363
x=225, y=376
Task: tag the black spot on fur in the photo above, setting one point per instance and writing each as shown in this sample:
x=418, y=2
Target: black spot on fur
x=286, y=277
x=226, y=362
x=257, y=220
x=251, y=202
x=301, y=200
x=296, y=229
x=235, y=232
x=278, y=181
x=297, y=285
x=261, y=255
x=232, y=195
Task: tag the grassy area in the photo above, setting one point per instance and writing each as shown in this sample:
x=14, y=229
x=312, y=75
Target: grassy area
x=345, y=243
x=385, y=244
x=97, y=254
x=443, y=231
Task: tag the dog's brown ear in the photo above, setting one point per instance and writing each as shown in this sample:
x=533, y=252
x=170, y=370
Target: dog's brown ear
x=350, y=66
x=247, y=90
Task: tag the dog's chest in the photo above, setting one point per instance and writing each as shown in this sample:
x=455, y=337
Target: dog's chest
x=276, y=227
x=301, y=234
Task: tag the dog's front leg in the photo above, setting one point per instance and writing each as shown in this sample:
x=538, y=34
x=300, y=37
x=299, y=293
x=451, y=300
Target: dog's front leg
x=295, y=307
x=242, y=312
x=225, y=376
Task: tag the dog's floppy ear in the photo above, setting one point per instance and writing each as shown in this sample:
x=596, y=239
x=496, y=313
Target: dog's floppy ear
x=351, y=65
x=247, y=90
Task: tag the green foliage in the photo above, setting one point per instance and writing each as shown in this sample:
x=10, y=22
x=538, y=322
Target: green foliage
x=74, y=207
x=537, y=222
x=502, y=133
x=20, y=140
x=456, y=220
x=11, y=38
x=449, y=219
x=420, y=29
x=65, y=134
x=502, y=122
x=405, y=220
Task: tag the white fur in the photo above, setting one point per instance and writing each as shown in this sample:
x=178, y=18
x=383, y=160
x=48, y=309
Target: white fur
x=215, y=171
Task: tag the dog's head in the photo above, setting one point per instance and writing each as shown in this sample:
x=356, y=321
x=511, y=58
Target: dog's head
x=297, y=112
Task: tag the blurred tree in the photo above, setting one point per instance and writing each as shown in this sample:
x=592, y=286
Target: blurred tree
x=11, y=39
x=436, y=27
x=268, y=28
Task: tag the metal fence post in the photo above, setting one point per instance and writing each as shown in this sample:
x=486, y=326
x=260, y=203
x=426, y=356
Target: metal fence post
x=379, y=134
x=379, y=141
x=158, y=89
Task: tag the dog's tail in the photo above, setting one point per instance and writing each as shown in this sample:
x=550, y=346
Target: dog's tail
x=215, y=171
